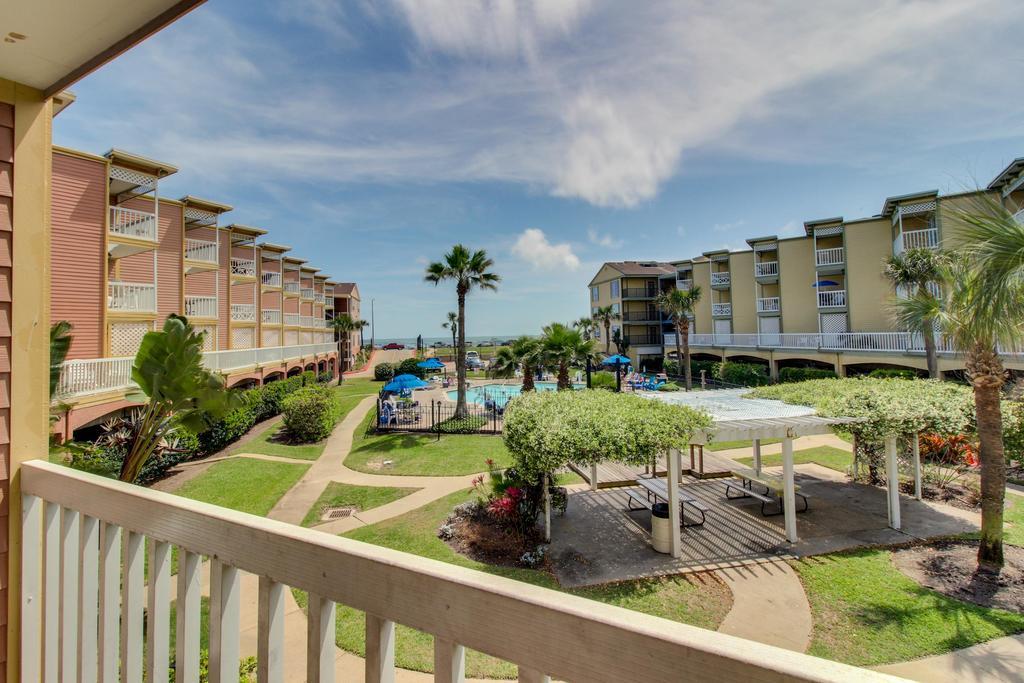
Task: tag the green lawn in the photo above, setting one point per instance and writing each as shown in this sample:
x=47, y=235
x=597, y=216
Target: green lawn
x=360, y=497
x=826, y=456
x=866, y=612
x=274, y=441
x=358, y=386
x=674, y=598
x=729, y=445
x=424, y=454
x=244, y=484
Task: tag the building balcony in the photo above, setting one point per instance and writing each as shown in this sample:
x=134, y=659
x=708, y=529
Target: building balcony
x=927, y=238
x=291, y=288
x=307, y=293
x=271, y=280
x=200, y=255
x=766, y=270
x=200, y=306
x=329, y=304
x=721, y=310
x=832, y=298
x=645, y=339
x=684, y=285
x=832, y=256
x=769, y=304
x=131, y=231
x=639, y=292
x=1019, y=216
x=641, y=317
x=243, y=267
x=721, y=280
x=271, y=316
x=131, y=297
x=243, y=313
x=292, y=319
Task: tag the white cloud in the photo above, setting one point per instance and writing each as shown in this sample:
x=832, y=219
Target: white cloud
x=728, y=227
x=791, y=229
x=603, y=240
x=533, y=247
x=681, y=230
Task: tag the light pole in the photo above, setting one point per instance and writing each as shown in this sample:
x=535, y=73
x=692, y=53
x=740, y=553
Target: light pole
x=372, y=335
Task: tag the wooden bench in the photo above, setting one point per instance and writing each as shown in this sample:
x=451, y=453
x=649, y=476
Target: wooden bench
x=773, y=490
x=645, y=502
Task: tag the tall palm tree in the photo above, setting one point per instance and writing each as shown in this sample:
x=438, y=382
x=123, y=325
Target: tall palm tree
x=678, y=304
x=585, y=326
x=917, y=270
x=452, y=324
x=343, y=326
x=604, y=316
x=468, y=270
x=982, y=314
x=563, y=346
x=523, y=354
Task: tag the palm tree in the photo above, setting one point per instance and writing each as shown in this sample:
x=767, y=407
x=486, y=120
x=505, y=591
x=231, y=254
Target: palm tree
x=678, y=304
x=563, y=346
x=917, y=270
x=524, y=354
x=344, y=325
x=603, y=316
x=982, y=314
x=468, y=270
x=452, y=324
x=585, y=326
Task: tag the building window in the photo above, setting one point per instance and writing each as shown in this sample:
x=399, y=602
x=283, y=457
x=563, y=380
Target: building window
x=597, y=333
x=615, y=289
x=595, y=293
x=616, y=309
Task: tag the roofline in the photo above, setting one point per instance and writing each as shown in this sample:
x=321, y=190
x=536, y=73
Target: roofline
x=159, y=168
x=886, y=210
x=205, y=204
x=62, y=101
x=270, y=246
x=764, y=238
x=294, y=259
x=1012, y=170
x=246, y=229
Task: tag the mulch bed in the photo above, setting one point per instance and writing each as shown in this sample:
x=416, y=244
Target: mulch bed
x=484, y=540
x=955, y=495
x=951, y=568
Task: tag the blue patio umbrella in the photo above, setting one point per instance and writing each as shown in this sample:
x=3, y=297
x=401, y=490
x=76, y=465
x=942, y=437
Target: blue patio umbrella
x=402, y=382
x=825, y=283
x=432, y=364
x=618, y=361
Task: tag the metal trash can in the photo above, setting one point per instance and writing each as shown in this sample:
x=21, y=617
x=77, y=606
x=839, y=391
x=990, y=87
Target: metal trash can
x=661, y=528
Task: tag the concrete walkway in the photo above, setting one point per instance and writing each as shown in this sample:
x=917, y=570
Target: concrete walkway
x=997, y=661
x=768, y=605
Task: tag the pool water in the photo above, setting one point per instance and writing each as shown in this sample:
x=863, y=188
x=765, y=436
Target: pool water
x=501, y=394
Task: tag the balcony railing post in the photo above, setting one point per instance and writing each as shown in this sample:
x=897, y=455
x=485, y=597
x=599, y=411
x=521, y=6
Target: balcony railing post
x=32, y=588
x=320, y=640
x=380, y=650
x=270, y=627
x=132, y=606
x=224, y=622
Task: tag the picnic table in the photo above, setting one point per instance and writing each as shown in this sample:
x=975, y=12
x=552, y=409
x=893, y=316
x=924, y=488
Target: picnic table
x=773, y=490
x=656, y=488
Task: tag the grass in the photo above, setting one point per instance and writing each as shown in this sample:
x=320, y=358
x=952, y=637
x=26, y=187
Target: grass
x=424, y=454
x=676, y=598
x=729, y=445
x=244, y=484
x=273, y=441
x=361, y=498
x=826, y=456
x=866, y=612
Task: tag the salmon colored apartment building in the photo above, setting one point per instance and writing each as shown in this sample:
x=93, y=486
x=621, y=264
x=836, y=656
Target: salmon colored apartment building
x=124, y=257
x=817, y=299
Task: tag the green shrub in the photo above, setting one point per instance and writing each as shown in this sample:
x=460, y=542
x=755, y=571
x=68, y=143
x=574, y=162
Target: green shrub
x=105, y=456
x=802, y=374
x=310, y=413
x=466, y=425
x=324, y=377
x=602, y=380
x=669, y=386
x=744, y=374
x=710, y=368
x=275, y=393
x=1013, y=430
x=234, y=425
x=893, y=373
x=410, y=366
x=384, y=372
x=308, y=378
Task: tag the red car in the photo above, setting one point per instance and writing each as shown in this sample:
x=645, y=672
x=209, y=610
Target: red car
x=393, y=346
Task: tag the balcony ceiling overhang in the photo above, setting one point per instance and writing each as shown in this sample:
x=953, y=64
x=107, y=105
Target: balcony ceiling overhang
x=205, y=204
x=892, y=202
x=51, y=44
x=275, y=248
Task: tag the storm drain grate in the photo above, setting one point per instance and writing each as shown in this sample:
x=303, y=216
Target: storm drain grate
x=336, y=513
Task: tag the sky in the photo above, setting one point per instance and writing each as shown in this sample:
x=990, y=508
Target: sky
x=555, y=134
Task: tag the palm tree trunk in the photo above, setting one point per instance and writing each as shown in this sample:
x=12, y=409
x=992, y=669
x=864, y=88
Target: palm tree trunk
x=684, y=332
x=607, y=337
x=987, y=374
x=528, y=378
x=460, y=364
x=563, y=375
x=679, y=352
x=931, y=357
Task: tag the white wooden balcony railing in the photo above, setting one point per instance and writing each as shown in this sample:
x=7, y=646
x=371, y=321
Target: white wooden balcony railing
x=139, y=225
x=203, y=251
x=720, y=279
x=292, y=319
x=766, y=269
x=832, y=298
x=306, y=293
x=928, y=238
x=271, y=316
x=200, y=306
x=833, y=256
x=319, y=298
x=769, y=304
x=329, y=303
x=721, y=309
x=684, y=285
x=131, y=297
x=243, y=312
x=271, y=279
x=243, y=267
x=879, y=342
x=291, y=287
x=96, y=566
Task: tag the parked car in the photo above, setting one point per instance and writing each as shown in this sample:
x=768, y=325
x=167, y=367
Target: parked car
x=485, y=343
x=473, y=361
x=393, y=346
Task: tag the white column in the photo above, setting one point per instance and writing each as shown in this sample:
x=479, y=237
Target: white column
x=788, y=489
x=915, y=449
x=673, y=504
x=757, y=455
x=676, y=455
x=892, y=475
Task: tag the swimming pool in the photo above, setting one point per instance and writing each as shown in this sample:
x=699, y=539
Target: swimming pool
x=500, y=393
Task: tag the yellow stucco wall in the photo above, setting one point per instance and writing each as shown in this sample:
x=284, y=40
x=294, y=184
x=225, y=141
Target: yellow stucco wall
x=868, y=292
x=702, y=279
x=796, y=277
x=744, y=315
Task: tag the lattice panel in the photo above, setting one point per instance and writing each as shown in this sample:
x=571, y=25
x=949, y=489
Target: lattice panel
x=125, y=338
x=198, y=217
x=765, y=246
x=719, y=257
x=243, y=338
x=828, y=231
x=209, y=336
x=271, y=338
x=912, y=209
x=291, y=337
x=133, y=177
x=833, y=323
x=307, y=338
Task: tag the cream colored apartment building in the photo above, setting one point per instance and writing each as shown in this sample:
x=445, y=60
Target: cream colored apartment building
x=817, y=299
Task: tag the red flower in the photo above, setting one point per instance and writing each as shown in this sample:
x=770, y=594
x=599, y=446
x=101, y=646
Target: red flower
x=502, y=508
x=490, y=462
x=514, y=493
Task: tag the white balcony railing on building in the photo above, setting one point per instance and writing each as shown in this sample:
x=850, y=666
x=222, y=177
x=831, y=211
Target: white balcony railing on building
x=832, y=298
x=768, y=304
x=292, y=319
x=271, y=279
x=139, y=225
x=833, y=256
x=1019, y=216
x=131, y=297
x=766, y=269
x=319, y=298
x=306, y=293
x=329, y=304
x=243, y=313
x=720, y=279
x=291, y=287
x=271, y=316
x=201, y=250
x=96, y=561
x=243, y=267
x=873, y=342
x=721, y=309
x=928, y=238
x=684, y=285
x=200, y=306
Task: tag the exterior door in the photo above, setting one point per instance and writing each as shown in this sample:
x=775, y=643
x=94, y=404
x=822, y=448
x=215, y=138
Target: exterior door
x=833, y=327
x=723, y=331
x=768, y=327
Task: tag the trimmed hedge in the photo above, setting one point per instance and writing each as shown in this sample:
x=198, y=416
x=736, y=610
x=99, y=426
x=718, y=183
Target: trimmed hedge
x=802, y=374
x=310, y=413
x=892, y=373
x=744, y=374
x=383, y=372
x=410, y=366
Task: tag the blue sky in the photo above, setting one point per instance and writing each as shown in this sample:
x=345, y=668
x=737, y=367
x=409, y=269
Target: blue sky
x=556, y=135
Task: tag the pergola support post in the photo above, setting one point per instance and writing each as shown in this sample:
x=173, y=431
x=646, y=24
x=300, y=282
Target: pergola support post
x=915, y=449
x=892, y=475
x=593, y=477
x=788, y=489
x=757, y=455
x=547, y=508
x=672, y=462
